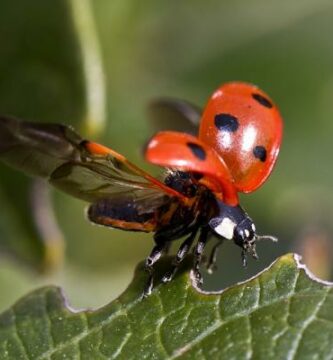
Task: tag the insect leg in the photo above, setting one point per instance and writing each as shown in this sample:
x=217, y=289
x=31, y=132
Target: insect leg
x=249, y=249
x=198, y=251
x=167, y=247
x=153, y=257
x=211, y=265
x=181, y=254
x=244, y=258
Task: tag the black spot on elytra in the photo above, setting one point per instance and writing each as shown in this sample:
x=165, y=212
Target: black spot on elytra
x=262, y=100
x=226, y=122
x=260, y=153
x=197, y=150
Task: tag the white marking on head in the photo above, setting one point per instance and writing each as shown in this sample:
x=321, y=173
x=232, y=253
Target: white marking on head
x=226, y=228
x=247, y=233
x=253, y=227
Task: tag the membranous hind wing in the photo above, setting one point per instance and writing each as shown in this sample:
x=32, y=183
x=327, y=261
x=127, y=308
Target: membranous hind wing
x=174, y=114
x=122, y=194
x=35, y=148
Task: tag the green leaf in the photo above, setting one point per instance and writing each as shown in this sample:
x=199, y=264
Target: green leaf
x=50, y=70
x=282, y=313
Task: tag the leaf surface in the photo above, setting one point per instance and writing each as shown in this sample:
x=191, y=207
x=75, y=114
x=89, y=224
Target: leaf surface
x=283, y=313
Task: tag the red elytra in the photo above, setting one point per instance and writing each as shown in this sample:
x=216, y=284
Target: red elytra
x=245, y=128
x=240, y=132
x=186, y=152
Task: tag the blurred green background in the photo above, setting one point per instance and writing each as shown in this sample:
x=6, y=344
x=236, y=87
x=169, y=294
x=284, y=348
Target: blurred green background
x=96, y=65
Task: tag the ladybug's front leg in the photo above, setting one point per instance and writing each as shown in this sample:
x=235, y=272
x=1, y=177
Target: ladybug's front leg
x=211, y=264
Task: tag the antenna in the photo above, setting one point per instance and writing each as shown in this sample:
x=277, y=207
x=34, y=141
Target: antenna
x=266, y=237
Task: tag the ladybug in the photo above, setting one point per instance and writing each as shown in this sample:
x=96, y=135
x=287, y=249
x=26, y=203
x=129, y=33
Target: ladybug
x=230, y=147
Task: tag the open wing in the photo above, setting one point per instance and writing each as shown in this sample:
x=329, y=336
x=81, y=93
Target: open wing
x=81, y=168
x=187, y=153
x=174, y=114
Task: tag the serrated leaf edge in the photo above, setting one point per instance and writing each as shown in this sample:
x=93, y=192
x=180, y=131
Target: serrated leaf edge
x=308, y=272
x=287, y=258
x=290, y=257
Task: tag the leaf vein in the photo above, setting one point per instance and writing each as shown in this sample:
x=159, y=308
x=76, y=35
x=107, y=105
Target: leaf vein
x=249, y=353
x=159, y=326
x=93, y=329
x=298, y=339
x=121, y=346
x=180, y=351
x=49, y=322
x=18, y=336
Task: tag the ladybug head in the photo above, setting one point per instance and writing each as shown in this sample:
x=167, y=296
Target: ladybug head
x=245, y=236
x=233, y=223
x=244, y=232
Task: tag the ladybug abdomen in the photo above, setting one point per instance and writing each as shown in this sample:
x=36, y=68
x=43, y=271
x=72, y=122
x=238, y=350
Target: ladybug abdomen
x=244, y=127
x=121, y=214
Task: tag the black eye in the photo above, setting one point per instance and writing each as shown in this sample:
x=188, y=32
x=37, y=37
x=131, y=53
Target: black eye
x=238, y=237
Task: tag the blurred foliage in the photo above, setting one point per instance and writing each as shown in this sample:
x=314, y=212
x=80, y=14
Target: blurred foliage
x=41, y=78
x=276, y=315
x=182, y=49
